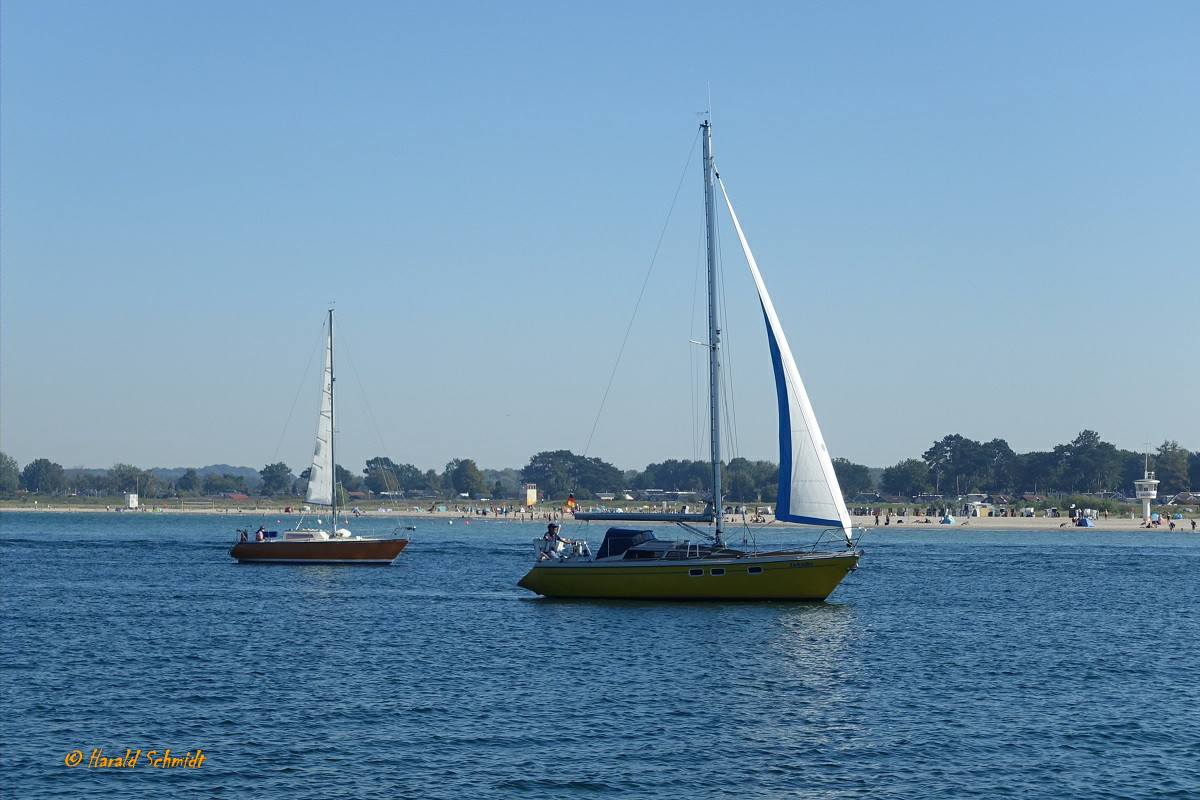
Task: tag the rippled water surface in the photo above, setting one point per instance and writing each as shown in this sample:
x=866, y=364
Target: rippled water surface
x=951, y=665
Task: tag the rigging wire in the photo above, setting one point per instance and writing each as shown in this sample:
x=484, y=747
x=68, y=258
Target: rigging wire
x=726, y=377
x=345, y=353
x=641, y=294
x=694, y=354
x=299, y=389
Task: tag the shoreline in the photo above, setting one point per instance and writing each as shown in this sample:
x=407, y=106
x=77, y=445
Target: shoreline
x=1036, y=524
x=916, y=524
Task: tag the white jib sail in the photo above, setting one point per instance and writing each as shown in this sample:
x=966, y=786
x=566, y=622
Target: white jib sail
x=808, y=486
x=320, y=476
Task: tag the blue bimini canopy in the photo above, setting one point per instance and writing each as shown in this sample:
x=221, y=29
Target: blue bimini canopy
x=618, y=540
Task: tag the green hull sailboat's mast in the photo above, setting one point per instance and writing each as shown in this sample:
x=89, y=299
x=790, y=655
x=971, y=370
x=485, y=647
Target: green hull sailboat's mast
x=714, y=334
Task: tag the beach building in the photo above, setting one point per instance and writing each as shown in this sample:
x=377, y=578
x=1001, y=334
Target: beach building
x=977, y=508
x=1186, y=499
x=1146, y=490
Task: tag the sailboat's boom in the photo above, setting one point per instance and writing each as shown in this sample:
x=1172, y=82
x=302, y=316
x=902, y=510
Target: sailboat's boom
x=643, y=516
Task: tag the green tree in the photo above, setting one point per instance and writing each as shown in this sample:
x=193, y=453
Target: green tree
x=346, y=479
x=1039, y=471
x=504, y=482
x=1002, y=466
x=676, y=476
x=384, y=475
x=125, y=478
x=464, y=477
x=1172, y=469
x=909, y=478
x=553, y=472
x=277, y=478
x=1091, y=465
x=594, y=475
x=10, y=474
x=44, y=477
x=740, y=488
x=762, y=474
x=189, y=482
x=957, y=464
x=853, y=478
x=1132, y=468
x=224, y=484
x=766, y=478
x=88, y=482
x=380, y=481
x=152, y=485
x=128, y=478
x=560, y=472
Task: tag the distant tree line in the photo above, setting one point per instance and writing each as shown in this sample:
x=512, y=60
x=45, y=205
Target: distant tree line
x=954, y=465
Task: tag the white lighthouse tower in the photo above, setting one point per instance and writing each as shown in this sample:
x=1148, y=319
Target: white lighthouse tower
x=1147, y=490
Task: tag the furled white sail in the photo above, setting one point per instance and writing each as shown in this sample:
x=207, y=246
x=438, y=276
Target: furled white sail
x=320, y=476
x=808, y=487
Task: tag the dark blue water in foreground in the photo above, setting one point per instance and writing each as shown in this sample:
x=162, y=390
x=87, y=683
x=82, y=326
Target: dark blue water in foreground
x=951, y=665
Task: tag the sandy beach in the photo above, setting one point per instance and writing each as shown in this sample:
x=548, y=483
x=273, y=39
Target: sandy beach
x=1040, y=523
x=1113, y=523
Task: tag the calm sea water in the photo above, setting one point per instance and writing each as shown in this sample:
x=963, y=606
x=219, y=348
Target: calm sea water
x=951, y=665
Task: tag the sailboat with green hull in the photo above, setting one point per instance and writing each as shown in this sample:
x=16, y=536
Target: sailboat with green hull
x=634, y=563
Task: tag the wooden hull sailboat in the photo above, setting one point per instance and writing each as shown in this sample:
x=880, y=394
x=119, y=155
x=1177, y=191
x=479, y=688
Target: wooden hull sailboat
x=315, y=546
x=352, y=550
x=636, y=564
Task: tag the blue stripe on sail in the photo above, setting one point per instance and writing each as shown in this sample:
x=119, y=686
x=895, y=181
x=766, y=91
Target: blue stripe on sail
x=783, y=498
x=826, y=523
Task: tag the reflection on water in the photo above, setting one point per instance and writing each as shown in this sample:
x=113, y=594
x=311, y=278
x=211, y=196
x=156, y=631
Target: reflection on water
x=816, y=637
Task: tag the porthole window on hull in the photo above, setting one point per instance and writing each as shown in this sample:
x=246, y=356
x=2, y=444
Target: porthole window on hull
x=754, y=570
x=695, y=573
x=717, y=571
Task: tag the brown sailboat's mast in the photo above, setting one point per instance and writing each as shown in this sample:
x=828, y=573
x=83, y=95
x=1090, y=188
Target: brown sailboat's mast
x=332, y=436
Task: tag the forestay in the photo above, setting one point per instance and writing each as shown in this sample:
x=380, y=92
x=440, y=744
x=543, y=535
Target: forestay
x=808, y=487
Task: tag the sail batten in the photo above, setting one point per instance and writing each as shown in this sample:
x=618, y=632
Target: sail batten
x=320, y=474
x=809, y=493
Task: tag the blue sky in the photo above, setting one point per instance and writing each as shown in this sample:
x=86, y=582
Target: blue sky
x=975, y=218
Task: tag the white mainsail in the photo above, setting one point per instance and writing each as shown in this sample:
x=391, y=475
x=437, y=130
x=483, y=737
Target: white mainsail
x=808, y=486
x=320, y=475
